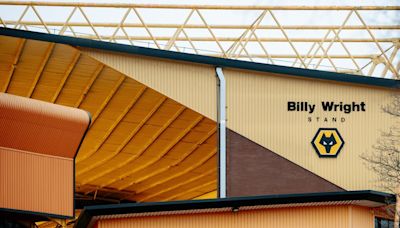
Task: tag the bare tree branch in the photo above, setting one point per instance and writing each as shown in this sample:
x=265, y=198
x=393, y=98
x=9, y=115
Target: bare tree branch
x=384, y=159
x=394, y=107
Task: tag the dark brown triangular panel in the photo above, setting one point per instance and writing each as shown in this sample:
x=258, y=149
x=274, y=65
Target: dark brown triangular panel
x=255, y=170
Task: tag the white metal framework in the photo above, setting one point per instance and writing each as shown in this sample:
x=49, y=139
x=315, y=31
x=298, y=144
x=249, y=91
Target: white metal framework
x=360, y=40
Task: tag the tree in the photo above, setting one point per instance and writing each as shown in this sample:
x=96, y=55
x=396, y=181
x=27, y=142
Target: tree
x=385, y=156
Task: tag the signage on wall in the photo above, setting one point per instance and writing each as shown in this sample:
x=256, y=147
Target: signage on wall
x=327, y=107
x=327, y=142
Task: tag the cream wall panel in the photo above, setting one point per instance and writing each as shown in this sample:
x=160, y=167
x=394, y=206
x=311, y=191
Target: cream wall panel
x=361, y=217
x=257, y=108
x=303, y=217
x=193, y=85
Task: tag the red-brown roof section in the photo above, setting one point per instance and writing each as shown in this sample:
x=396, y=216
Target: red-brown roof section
x=38, y=144
x=41, y=127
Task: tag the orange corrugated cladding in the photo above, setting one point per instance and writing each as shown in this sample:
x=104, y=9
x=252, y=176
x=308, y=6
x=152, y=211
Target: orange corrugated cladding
x=40, y=127
x=36, y=182
x=307, y=217
x=38, y=142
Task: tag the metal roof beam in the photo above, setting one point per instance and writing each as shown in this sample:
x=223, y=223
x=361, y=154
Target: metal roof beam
x=209, y=39
x=43, y=64
x=193, y=6
x=14, y=63
x=66, y=75
x=201, y=26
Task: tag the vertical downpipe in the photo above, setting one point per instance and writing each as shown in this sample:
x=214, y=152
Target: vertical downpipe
x=221, y=97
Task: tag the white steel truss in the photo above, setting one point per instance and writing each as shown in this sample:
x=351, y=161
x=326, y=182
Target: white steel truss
x=352, y=43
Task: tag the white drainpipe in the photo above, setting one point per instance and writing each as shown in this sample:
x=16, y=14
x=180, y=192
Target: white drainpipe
x=221, y=94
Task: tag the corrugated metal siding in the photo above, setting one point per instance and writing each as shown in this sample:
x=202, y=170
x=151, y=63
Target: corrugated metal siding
x=229, y=209
x=36, y=182
x=41, y=127
x=132, y=125
x=327, y=217
x=361, y=218
x=190, y=84
x=257, y=108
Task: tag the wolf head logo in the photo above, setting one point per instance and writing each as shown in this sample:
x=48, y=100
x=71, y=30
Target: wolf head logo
x=327, y=142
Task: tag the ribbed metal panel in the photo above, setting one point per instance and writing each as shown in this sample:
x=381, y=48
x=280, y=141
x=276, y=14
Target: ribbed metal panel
x=31, y=60
x=36, y=182
x=132, y=124
x=38, y=143
x=323, y=216
x=360, y=218
x=226, y=209
x=40, y=127
x=192, y=85
x=257, y=109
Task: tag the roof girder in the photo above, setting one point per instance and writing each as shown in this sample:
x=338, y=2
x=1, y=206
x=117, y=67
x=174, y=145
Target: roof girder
x=323, y=57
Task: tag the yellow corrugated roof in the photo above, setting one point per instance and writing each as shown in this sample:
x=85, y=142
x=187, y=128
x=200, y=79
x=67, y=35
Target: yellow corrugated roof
x=141, y=146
